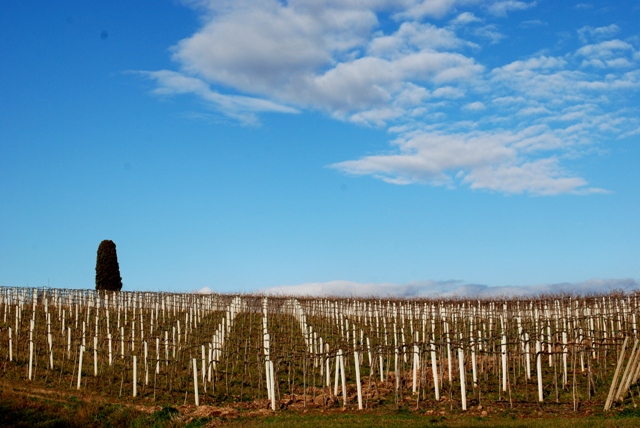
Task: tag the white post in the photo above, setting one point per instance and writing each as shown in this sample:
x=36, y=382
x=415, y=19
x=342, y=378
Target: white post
x=463, y=386
x=267, y=373
x=434, y=370
x=95, y=356
x=31, y=350
x=504, y=362
x=527, y=355
x=204, y=370
x=564, y=358
x=539, y=370
x=157, y=355
x=335, y=387
x=449, y=360
x=273, y=385
x=416, y=364
x=146, y=363
x=343, y=378
x=135, y=376
x=50, y=342
x=397, y=369
x=327, y=374
x=173, y=343
x=473, y=362
x=166, y=348
x=80, y=366
x=10, y=345
x=359, y=387
x=209, y=359
x=110, y=349
x=267, y=365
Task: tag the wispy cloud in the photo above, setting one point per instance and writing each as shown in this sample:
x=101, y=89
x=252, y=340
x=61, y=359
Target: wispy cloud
x=532, y=23
x=588, y=33
x=465, y=18
x=237, y=106
x=452, y=288
x=502, y=8
x=481, y=159
x=422, y=80
x=489, y=32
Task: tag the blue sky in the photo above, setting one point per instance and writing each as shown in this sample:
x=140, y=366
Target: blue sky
x=392, y=147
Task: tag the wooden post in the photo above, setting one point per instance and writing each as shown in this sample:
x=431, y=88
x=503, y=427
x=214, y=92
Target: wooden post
x=624, y=381
x=614, y=381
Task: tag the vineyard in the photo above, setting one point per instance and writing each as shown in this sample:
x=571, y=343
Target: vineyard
x=557, y=352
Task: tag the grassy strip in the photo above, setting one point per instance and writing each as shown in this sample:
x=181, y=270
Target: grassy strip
x=407, y=420
x=22, y=407
x=18, y=409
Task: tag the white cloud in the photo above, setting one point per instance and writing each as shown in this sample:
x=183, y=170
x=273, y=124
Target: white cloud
x=475, y=106
x=240, y=107
x=444, y=289
x=420, y=80
x=494, y=161
x=542, y=177
x=528, y=111
x=417, y=9
x=411, y=37
x=502, y=8
x=465, y=18
x=532, y=23
x=325, y=56
x=588, y=33
x=448, y=92
x=489, y=32
x=604, y=49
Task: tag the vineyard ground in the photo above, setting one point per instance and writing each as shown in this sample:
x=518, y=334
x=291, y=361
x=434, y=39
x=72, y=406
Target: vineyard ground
x=24, y=405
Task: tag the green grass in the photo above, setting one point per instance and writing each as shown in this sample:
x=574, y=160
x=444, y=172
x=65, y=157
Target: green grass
x=407, y=420
x=18, y=409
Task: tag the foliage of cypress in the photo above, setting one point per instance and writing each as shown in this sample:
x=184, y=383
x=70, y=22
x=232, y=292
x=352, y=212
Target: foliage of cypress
x=107, y=268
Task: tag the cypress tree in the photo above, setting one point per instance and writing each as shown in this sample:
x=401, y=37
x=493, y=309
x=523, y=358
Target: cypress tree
x=107, y=268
